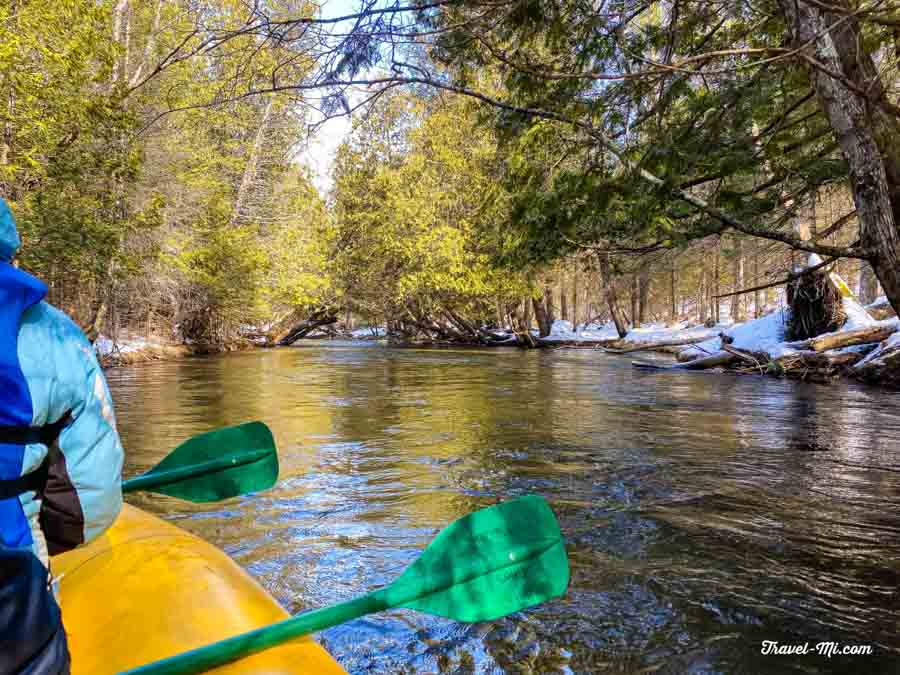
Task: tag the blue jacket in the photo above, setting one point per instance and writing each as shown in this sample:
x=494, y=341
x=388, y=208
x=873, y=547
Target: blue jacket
x=49, y=375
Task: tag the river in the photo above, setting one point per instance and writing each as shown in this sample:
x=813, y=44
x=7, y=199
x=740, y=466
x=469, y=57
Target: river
x=704, y=513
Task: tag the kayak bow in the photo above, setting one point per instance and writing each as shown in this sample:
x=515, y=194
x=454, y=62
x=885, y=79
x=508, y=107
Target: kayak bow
x=146, y=590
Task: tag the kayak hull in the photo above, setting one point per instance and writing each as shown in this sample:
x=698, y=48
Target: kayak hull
x=146, y=590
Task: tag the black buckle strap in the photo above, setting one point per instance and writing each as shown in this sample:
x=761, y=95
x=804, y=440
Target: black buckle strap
x=36, y=480
x=30, y=482
x=26, y=435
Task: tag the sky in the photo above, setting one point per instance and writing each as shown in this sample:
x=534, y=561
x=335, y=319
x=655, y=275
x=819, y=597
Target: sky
x=320, y=149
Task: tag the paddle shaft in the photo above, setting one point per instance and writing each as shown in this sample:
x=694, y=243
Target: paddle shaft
x=153, y=479
x=219, y=653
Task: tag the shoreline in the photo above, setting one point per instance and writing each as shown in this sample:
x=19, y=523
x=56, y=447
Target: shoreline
x=131, y=352
x=694, y=348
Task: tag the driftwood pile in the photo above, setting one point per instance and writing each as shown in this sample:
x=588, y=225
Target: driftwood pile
x=818, y=350
x=816, y=359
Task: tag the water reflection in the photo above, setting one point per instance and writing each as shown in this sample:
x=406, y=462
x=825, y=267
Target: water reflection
x=704, y=513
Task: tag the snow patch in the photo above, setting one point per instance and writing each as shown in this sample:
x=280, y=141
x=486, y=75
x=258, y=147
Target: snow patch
x=765, y=334
x=857, y=316
x=562, y=327
x=105, y=346
x=369, y=332
x=891, y=344
x=680, y=331
x=563, y=331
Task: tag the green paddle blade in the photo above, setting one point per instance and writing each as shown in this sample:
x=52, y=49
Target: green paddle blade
x=216, y=465
x=485, y=565
x=488, y=564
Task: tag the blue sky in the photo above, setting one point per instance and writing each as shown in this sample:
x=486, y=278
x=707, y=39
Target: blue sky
x=320, y=150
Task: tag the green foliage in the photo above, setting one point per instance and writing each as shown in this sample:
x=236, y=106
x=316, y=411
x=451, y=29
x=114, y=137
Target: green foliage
x=200, y=216
x=412, y=205
x=742, y=135
x=62, y=166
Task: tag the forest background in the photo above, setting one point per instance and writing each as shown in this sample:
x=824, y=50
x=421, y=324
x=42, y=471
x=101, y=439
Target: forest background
x=509, y=163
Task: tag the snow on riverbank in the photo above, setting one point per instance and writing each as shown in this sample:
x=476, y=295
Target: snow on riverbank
x=887, y=348
x=135, y=350
x=682, y=331
x=765, y=334
x=562, y=331
x=369, y=332
x=105, y=346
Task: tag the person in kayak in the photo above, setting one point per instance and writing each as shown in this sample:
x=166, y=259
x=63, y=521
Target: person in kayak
x=60, y=460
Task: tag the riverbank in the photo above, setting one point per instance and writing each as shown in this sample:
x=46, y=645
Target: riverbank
x=128, y=351
x=865, y=348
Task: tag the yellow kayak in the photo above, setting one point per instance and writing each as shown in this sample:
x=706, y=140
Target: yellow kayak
x=146, y=590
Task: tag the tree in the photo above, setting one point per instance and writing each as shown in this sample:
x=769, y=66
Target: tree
x=132, y=215
x=650, y=108
x=410, y=200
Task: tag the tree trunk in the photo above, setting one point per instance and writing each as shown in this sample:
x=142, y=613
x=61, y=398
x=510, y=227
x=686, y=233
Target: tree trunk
x=868, y=284
x=149, y=46
x=542, y=316
x=303, y=328
x=714, y=360
x=575, y=299
x=251, y=168
x=737, y=301
x=609, y=293
x=714, y=294
x=635, y=300
x=6, y=148
x=659, y=345
x=121, y=36
x=847, y=338
x=673, y=297
x=757, y=307
x=643, y=296
x=563, y=302
x=548, y=304
x=859, y=127
x=701, y=295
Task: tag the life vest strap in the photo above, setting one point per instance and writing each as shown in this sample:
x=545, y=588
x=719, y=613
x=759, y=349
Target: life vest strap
x=36, y=480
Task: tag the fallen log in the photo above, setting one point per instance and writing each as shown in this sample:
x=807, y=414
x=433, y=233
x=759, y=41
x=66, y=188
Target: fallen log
x=492, y=338
x=303, y=328
x=755, y=359
x=716, y=360
x=848, y=338
x=883, y=368
x=621, y=347
x=809, y=359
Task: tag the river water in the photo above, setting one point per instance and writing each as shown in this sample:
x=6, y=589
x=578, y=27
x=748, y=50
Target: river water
x=704, y=513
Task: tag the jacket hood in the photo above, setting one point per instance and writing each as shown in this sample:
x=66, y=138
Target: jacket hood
x=9, y=237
